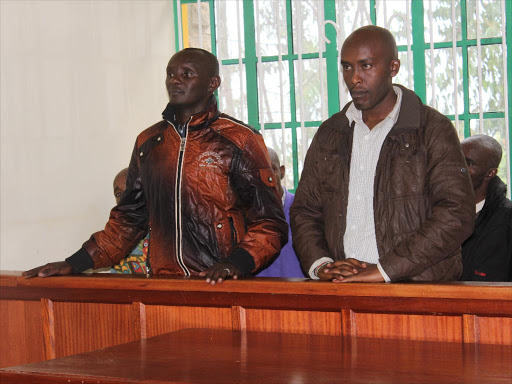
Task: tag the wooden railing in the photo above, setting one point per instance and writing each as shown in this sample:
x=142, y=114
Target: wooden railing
x=42, y=319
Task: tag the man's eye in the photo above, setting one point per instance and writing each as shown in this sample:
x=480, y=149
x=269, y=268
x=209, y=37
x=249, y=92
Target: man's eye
x=117, y=194
x=346, y=67
x=366, y=66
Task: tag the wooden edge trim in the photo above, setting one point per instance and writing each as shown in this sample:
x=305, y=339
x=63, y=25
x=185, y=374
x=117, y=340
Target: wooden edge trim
x=470, y=329
x=238, y=318
x=48, y=329
x=139, y=319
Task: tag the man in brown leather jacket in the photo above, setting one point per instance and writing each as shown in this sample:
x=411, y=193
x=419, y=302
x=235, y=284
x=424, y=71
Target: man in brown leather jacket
x=200, y=181
x=385, y=194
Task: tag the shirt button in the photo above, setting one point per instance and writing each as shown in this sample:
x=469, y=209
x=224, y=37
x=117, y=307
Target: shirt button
x=141, y=154
x=406, y=145
x=353, y=227
x=366, y=138
x=270, y=179
x=358, y=197
x=361, y=168
x=159, y=138
x=219, y=226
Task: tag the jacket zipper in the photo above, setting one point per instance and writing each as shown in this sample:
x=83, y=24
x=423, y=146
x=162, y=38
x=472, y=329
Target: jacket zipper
x=233, y=231
x=177, y=199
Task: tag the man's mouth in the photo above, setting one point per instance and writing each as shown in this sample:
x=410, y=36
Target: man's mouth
x=358, y=94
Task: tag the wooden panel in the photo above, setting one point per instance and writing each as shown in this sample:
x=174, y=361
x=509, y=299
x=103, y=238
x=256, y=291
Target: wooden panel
x=495, y=330
x=83, y=327
x=21, y=332
x=48, y=329
x=305, y=322
x=409, y=327
x=163, y=319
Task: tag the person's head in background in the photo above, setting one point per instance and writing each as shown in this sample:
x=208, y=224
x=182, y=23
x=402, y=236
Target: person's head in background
x=278, y=170
x=483, y=155
x=120, y=184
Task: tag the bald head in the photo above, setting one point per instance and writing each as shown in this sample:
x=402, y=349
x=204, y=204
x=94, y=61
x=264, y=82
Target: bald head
x=120, y=184
x=207, y=59
x=490, y=149
x=274, y=158
x=277, y=168
x=483, y=156
x=378, y=37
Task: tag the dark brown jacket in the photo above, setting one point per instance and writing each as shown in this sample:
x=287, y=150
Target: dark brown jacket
x=205, y=197
x=423, y=199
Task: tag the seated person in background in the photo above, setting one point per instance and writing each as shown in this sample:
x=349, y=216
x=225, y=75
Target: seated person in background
x=199, y=181
x=135, y=262
x=286, y=264
x=487, y=253
x=385, y=194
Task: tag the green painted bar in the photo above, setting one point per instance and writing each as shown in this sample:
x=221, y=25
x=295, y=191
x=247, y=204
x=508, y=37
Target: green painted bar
x=508, y=19
x=331, y=55
x=250, y=64
x=373, y=12
x=293, y=104
x=418, y=52
x=213, y=27
x=465, y=67
x=176, y=27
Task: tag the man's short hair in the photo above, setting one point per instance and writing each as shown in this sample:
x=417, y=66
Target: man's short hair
x=491, y=147
x=211, y=60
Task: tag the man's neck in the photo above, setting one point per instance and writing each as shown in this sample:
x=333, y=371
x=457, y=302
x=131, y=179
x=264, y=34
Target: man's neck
x=374, y=116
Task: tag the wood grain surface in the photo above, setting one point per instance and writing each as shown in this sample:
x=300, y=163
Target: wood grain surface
x=213, y=356
x=60, y=316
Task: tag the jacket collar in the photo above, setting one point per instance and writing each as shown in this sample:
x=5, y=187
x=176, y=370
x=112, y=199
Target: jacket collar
x=409, y=116
x=200, y=119
x=496, y=191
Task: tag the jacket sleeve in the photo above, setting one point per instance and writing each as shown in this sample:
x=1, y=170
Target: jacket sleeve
x=306, y=212
x=127, y=225
x=452, y=206
x=267, y=229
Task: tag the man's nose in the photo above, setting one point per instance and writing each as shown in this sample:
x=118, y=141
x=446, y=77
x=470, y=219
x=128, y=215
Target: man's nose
x=355, y=78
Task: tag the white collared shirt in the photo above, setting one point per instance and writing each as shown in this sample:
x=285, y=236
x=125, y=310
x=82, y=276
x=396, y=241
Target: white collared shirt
x=359, y=240
x=480, y=205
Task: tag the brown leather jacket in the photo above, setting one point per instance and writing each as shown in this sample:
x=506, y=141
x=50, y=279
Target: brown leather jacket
x=423, y=199
x=205, y=197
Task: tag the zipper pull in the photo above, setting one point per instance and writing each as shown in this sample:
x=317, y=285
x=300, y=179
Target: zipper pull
x=182, y=145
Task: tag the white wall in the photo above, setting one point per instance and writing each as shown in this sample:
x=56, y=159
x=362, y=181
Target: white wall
x=79, y=80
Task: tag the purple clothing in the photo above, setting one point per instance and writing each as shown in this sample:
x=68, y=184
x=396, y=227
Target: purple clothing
x=286, y=264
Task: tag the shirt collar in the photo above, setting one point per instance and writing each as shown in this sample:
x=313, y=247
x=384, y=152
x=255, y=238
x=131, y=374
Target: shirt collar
x=354, y=114
x=480, y=205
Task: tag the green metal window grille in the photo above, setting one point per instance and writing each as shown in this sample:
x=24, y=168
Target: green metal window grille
x=280, y=72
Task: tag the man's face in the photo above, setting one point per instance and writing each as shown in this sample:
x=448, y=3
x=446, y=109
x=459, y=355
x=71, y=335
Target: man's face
x=367, y=70
x=477, y=163
x=119, y=186
x=189, y=82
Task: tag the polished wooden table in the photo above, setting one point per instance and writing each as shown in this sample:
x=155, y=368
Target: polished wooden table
x=214, y=356
x=43, y=319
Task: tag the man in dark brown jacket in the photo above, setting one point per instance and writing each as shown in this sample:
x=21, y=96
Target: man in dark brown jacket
x=200, y=181
x=385, y=193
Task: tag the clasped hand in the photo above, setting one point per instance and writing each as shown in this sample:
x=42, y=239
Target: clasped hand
x=350, y=270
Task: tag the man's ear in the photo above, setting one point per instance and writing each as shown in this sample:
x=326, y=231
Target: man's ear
x=282, y=169
x=214, y=84
x=491, y=173
x=394, y=67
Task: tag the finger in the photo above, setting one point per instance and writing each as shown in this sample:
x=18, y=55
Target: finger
x=343, y=270
x=356, y=263
x=31, y=273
